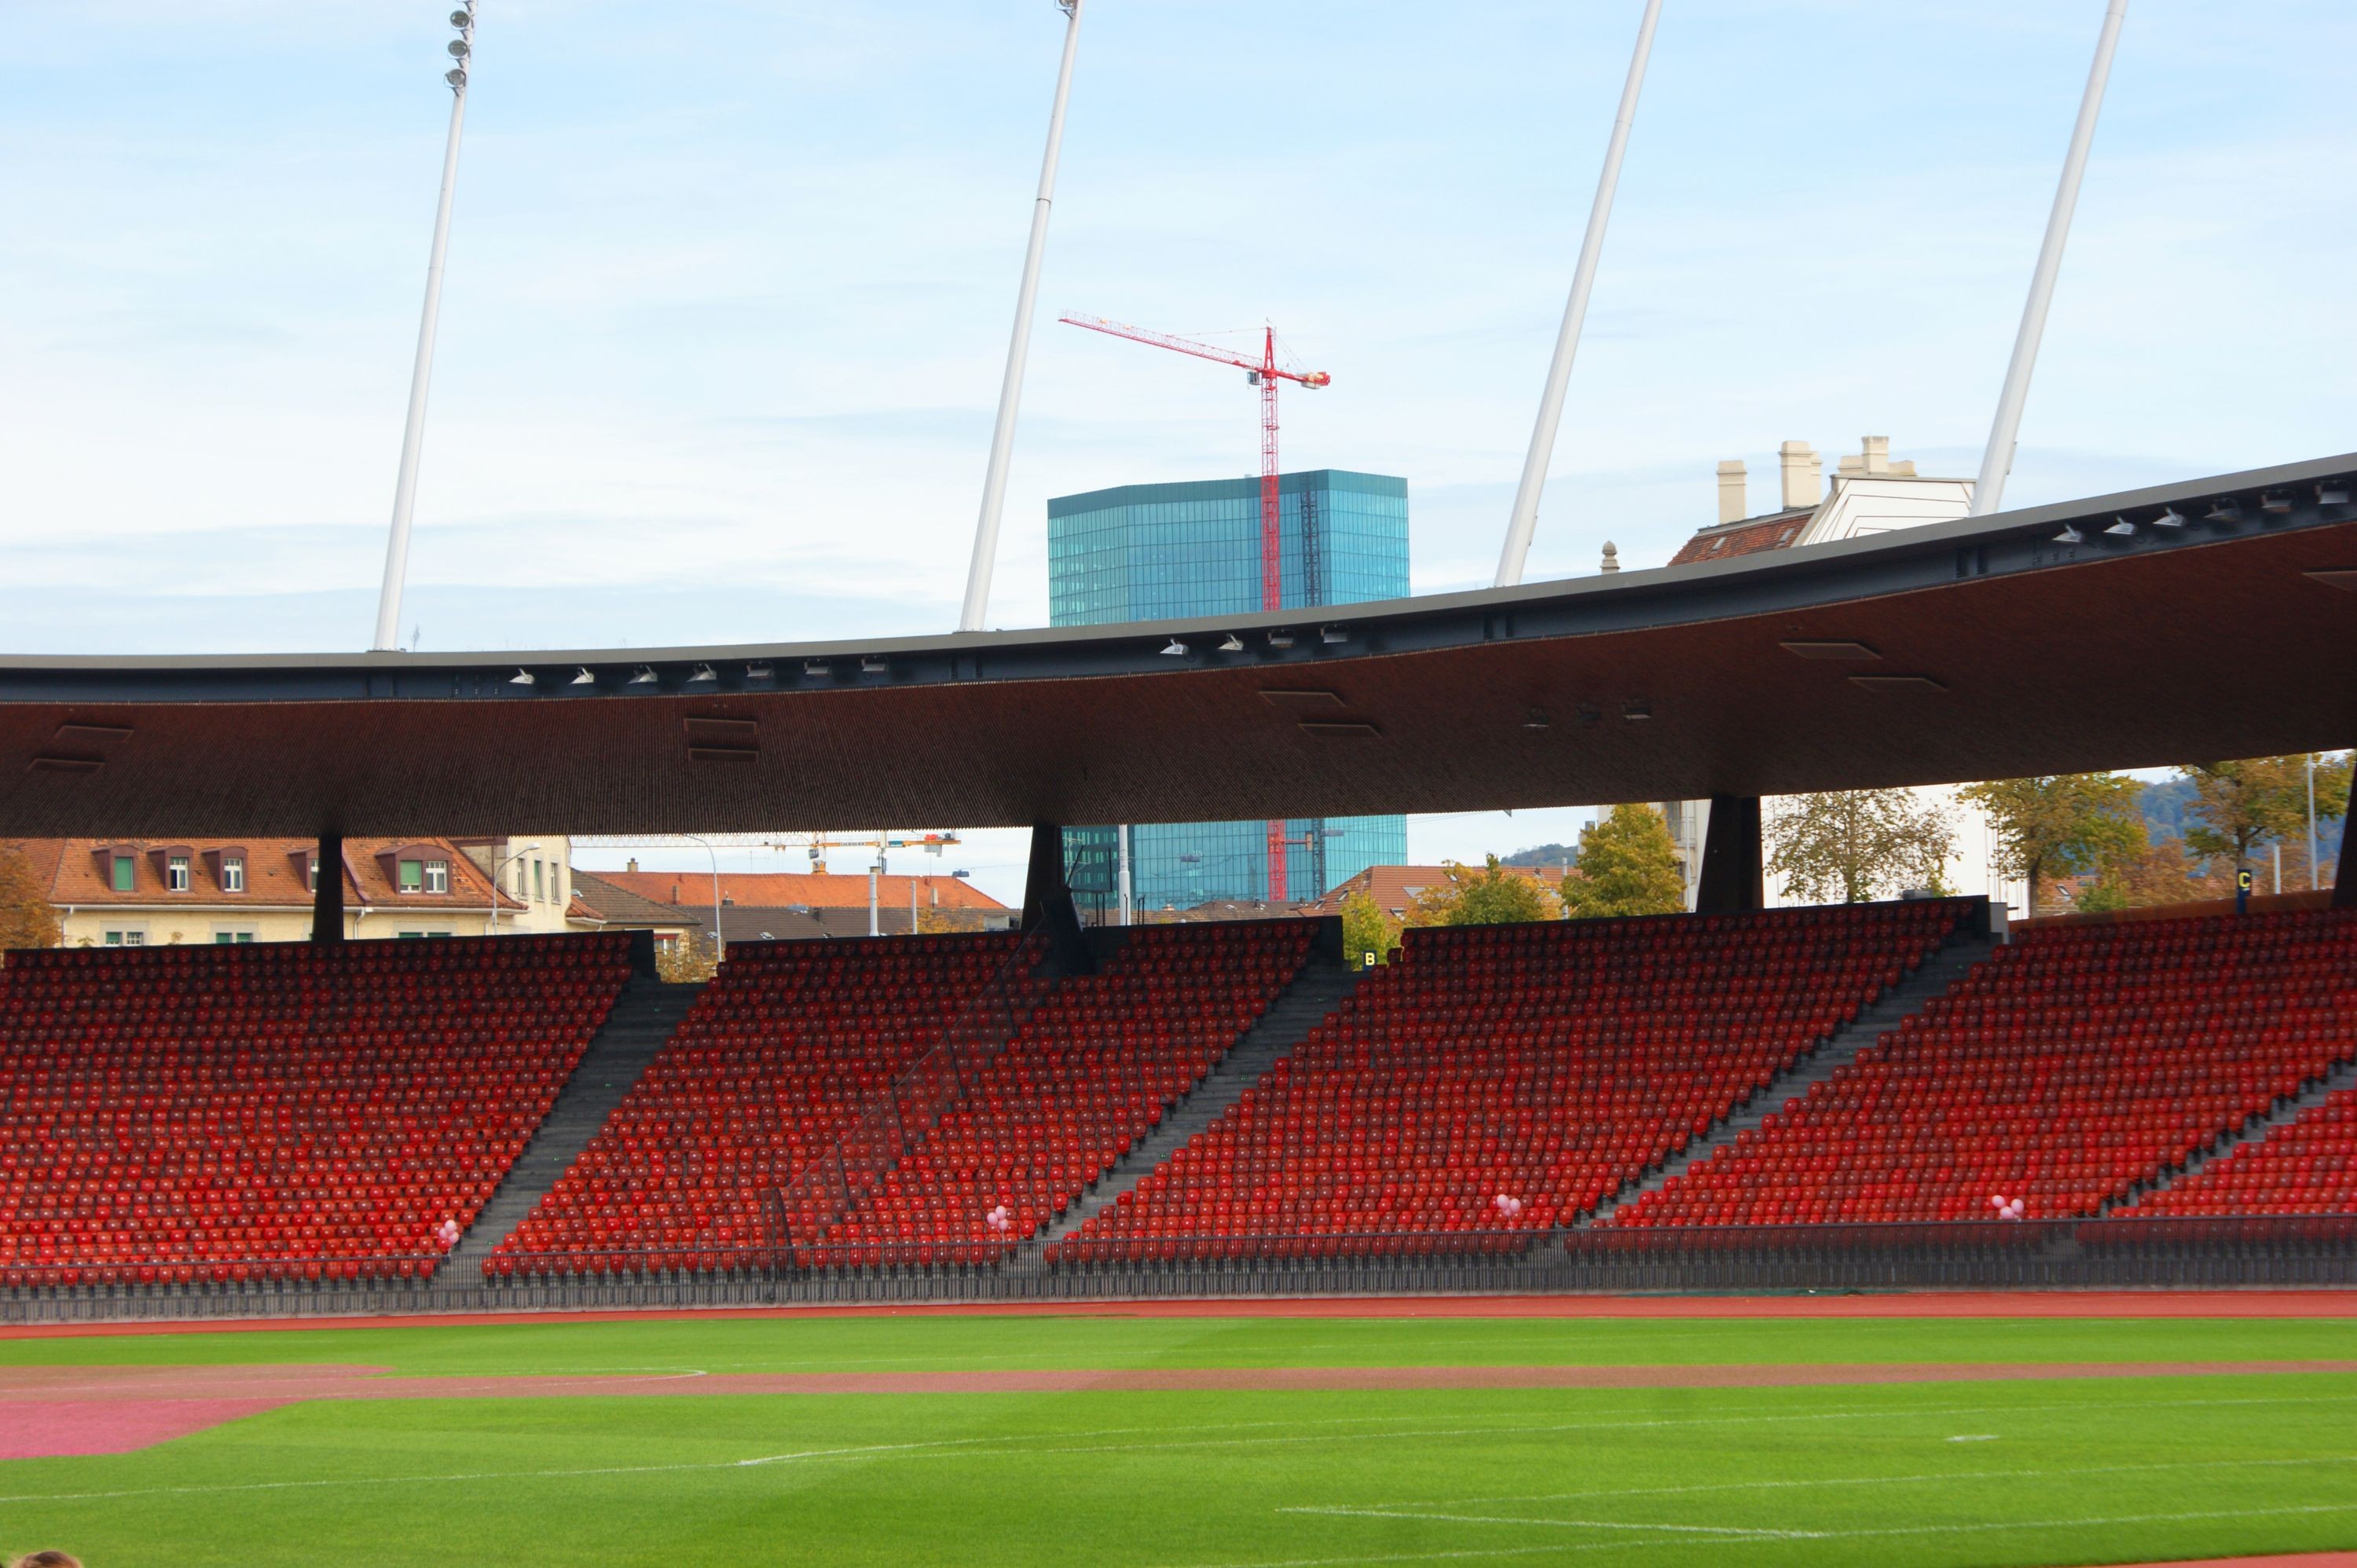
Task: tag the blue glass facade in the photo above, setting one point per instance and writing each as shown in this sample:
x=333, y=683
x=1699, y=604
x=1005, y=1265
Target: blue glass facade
x=1166, y=551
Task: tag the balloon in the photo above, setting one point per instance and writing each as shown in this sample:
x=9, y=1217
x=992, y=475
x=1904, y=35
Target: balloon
x=1996, y=1200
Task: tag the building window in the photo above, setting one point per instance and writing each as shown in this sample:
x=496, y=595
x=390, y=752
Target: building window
x=226, y=936
x=413, y=877
x=437, y=876
x=536, y=895
x=126, y=936
x=418, y=936
x=122, y=880
x=232, y=873
x=176, y=874
x=311, y=873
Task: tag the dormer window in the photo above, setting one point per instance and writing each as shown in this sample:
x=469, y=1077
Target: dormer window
x=176, y=874
x=232, y=873
x=413, y=877
x=437, y=876
x=311, y=873
x=123, y=874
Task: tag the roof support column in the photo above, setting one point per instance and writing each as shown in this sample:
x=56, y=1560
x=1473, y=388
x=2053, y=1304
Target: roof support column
x=1048, y=906
x=1732, y=881
x=328, y=898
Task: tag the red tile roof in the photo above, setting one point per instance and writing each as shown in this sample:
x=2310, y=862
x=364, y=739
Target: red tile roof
x=1394, y=888
x=1726, y=540
x=817, y=890
x=274, y=874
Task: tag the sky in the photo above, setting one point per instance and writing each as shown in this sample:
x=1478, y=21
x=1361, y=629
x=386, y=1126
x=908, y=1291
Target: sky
x=730, y=280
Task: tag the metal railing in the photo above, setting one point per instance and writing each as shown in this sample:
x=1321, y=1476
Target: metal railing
x=2062, y=1255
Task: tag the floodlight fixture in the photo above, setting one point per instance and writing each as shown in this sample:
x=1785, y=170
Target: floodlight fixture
x=2274, y=501
x=644, y=675
x=458, y=49
x=462, y=20
x=2332, y=493
x=815, y=667
x=760, y=670
x=1281, y=637
x=2123, y=529
x=1232, y=643
x=523, y=678
x=1637, y=708
x=2169, y=518
x=1333, y=633
x=2069, y=535
x=703, y=674
x=583, y=678
x=1536, y=719
x=457, y=78
x=2228, y=511
x=1177, y=649
x=873, y=665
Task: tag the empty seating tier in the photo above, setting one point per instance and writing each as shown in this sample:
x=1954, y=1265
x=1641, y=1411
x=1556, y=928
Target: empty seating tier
x=210, y=1114
x=1090, y=1074
x=1548, y=1064
x=777, y=1059
x=2307, y=1166
x=2072, y=1065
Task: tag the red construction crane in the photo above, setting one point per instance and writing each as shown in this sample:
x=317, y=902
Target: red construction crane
x=1264, y=374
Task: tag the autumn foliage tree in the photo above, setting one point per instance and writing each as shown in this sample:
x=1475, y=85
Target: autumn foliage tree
x=1367, y=929
x=2060, y=824
x=1494, y=896
x=2239, y=806
x=27, y=918
x=1855, y=846
x=1628, y=866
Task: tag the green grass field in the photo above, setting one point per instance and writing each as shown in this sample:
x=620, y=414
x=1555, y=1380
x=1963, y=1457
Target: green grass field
x=2036, y=1472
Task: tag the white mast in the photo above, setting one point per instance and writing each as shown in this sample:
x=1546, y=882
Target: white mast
x=1996, y=460
x=1011, y=390
x=1525, y=520
x=413, y=437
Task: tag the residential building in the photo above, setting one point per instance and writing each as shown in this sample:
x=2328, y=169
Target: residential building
x=1172, y=551
x=1394, y=888
x=158, y=893
x=1869, y=494
x=535, y=871
x=619, y=910
x=785, y=905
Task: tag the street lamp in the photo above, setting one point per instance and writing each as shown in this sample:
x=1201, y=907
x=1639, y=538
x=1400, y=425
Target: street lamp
x=719, y=942
x=497, y=871
x=2314, y=881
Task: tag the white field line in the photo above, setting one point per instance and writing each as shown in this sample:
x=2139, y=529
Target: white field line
x=1035, y=1443
x=1754, y=1535
x=1748, y=1532
x=1847, y=1481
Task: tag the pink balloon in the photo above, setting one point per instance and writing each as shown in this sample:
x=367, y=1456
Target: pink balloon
x=1996, y=1200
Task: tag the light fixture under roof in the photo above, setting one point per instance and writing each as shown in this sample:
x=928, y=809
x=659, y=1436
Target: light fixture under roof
x=523, y=678
x=2169, y=518
x=2227, y=511
x=1856, y=652
x=760, y=670
x=1637, y=708
x=1177, y=649
x=1333, y=633
x=1232, y=643
x=703, y=674
x=1281, y=637
x=2274, y=501
x=2332, y=493
x=2123, y=529
x=582, y=677
x=873, y=665
x=644, y=675
x=2069, y=535
x=1536, y=719
x=814, y=666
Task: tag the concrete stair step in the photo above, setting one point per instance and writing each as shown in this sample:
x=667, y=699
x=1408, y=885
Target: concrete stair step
x=2282, y=1113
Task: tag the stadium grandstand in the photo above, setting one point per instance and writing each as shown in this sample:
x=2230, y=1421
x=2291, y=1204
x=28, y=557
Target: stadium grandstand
x=1883, y=1094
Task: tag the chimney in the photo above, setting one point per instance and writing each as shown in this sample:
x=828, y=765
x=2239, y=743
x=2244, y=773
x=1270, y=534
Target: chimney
x=1804, y=483
x=1734, y=490
x=1611, y=557
x=634, y=864
x=1873, y=461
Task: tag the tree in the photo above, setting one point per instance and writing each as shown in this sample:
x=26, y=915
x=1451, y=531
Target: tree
x=1367, y=929
x=2059, y=825
x=2153, y=872
x=691, y=961
x=1855, y=846
x=2238, y=806
x=1627, y=866
x=27, y=918
x=1497, y=895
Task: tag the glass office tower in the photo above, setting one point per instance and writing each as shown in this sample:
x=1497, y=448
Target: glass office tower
x=1163, y=552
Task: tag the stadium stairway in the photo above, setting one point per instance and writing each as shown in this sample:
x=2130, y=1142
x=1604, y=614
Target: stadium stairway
x=1947, y=964
x=642, y=1018
x=2282, y=1113
x=1317, y=991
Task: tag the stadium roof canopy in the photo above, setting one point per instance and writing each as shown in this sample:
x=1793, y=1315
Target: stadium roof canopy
x=1986, y=648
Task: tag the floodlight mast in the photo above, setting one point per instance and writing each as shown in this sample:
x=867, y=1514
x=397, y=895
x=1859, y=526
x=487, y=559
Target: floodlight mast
x=413, y=436
x=1523, y=522
x=1996, y=458
x=1010, y=389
